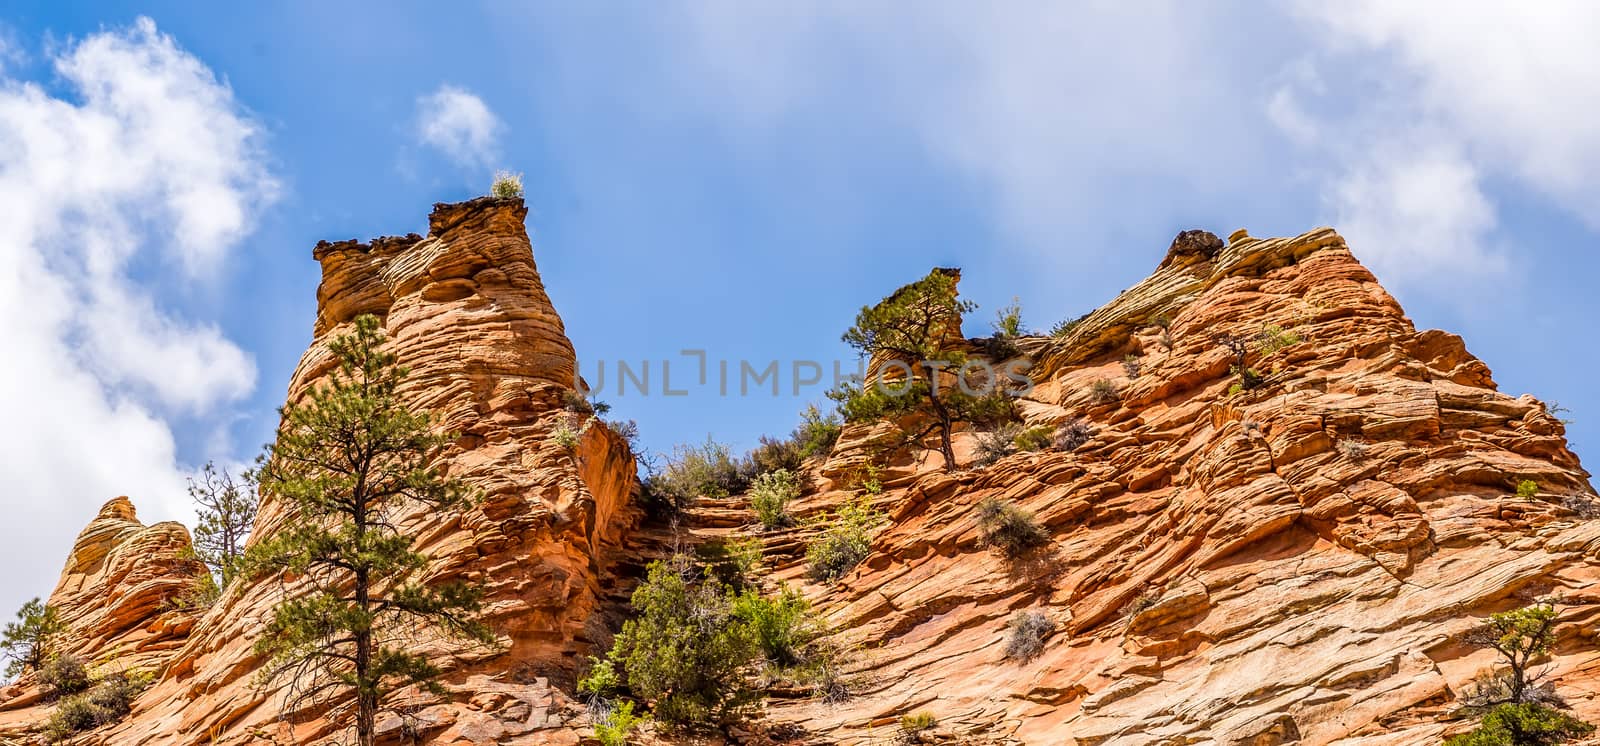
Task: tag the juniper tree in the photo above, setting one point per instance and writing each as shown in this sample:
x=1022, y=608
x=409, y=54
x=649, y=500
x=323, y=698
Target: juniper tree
x=227, y=511
x=917, y=331
x=1520, y=636
x=345, y=461
x=26, y=641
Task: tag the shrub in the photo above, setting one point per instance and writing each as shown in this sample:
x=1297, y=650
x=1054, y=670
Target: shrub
x=107, y=702
x=1073, y=434
x=1103, y=391
x=1527, y=488
x=63, y=675
x=734, y=562
x=579, y=404
x=567, y=436
x=915, y=724
x=1131, y=366
x=995, y=445
x=693, y=471
x=1012, y=530
x=783, y=626
x=773, y=454
x=1520, y=636
x=1065, y=328
x=1000, y=347
x=770, y=496
x=1147, y=598
x=627, y=430
x=1008, y=320
x=506, y=185
x=1249, y=379
x=601, y=680
x=1523, y=724
x=614, y=723
x=1027, y=631
x=817, y=432
x=1035, y=438
x=1273, y=338
x=1354, y=450
x=846, y=542
x=684, y=649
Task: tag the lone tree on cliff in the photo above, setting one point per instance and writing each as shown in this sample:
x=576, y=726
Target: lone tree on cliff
x=915, y=334
x=227, y=511
x=1520, y=636
x=344, y=462
x=26, y=641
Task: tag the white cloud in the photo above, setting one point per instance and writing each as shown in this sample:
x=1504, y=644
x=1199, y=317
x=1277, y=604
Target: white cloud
x=1411, y=212
x=150, y=163
x=458, y=122
x=1435, y=105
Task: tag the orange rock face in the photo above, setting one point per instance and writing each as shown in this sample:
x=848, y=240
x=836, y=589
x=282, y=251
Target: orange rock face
x=465, y=311
x=1293, y=563
x=1290, y=562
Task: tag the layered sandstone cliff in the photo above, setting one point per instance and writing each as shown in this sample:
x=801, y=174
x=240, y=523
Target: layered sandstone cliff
x=465, y=310
x=1304, y=555
x=1293, y=563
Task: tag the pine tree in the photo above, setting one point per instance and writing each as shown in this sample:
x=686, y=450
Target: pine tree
x=919, y=328
x=344, y=462
x=26, y=642
x=227, y=511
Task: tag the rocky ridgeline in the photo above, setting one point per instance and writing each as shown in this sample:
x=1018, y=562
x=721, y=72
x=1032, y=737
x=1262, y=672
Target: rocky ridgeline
x=1292, y=563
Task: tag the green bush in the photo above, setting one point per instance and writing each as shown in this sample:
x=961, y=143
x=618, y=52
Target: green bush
x=1012, y=530
x=567, y=436
x=783, y=626
x=63, y=675
x=770, y=496
x=817, y=432
x=602, y=679
x=846, y=542
x=1008, y=320
x=615, y=723
x=685, y=650
x=1273, y=338
x=1026, y=633
x=109, y=700
x=1523, y=724
x=1035, y=438
x=733, y=561
x=693, y=471
x=506, y=185
x=1527, y=488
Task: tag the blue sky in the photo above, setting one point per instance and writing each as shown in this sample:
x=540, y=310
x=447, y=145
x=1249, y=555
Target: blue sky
x=738, y=179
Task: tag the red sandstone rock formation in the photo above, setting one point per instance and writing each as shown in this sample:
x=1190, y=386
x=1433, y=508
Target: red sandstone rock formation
x=1289, y=564
x=465, y=310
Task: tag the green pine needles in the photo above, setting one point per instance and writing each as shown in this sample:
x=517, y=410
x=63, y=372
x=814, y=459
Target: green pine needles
x=345, y=461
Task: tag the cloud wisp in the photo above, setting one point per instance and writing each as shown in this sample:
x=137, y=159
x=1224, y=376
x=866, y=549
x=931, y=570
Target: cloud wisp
x=459, y=124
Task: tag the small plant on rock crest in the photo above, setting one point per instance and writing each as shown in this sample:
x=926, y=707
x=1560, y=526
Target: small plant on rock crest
x=1527, y=488
x=1035, y=438
x=1063, y=329
x=1012, y=530
x=1354, y=450
x=506, y=185
x=1027, y=631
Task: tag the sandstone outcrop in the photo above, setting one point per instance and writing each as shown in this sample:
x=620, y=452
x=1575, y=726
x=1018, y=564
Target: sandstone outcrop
x=1289, y=564
x=1286, y=563
x=464, y=309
